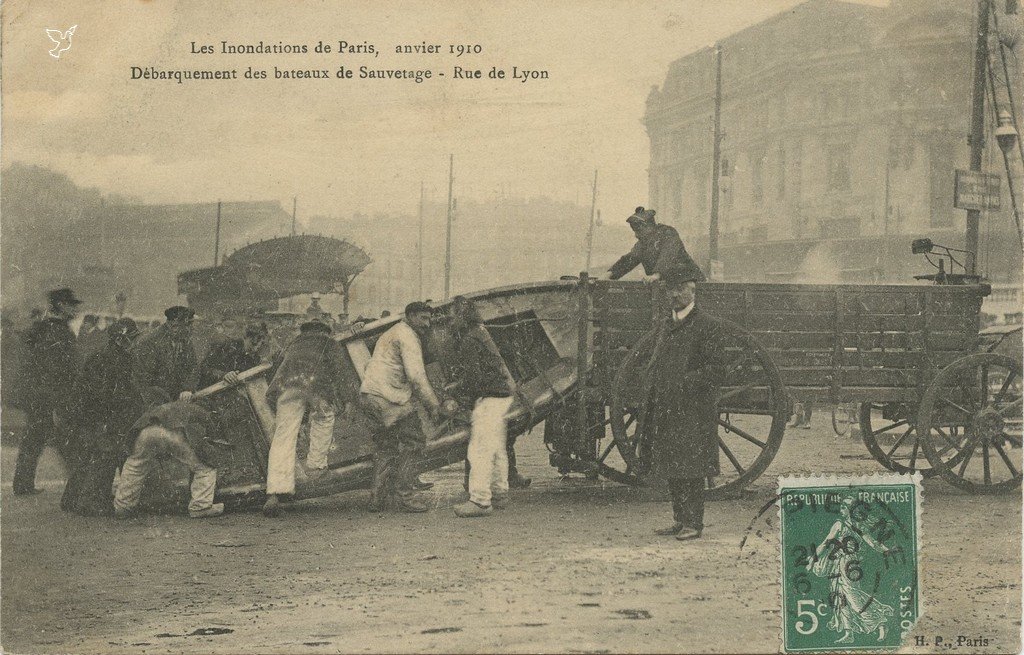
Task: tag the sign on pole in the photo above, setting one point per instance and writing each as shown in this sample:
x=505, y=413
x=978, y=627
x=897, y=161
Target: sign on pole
x=975, y=190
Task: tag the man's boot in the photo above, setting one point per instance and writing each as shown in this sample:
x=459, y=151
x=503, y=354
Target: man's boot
x=515, y=481
x=380, y=484
x=410, y=503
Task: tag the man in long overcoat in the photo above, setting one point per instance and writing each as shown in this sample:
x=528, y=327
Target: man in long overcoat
x=686, y=372
x=106, y=403
x=51, y=366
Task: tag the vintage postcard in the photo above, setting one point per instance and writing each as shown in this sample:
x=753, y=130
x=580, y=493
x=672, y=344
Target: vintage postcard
x=667, y=326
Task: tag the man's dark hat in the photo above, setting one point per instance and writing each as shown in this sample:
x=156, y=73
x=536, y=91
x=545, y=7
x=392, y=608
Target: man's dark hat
x=179, y=312
x=681, y=274
x=315, y=325
x=418, y=307
x=64, y=295
x=123, y=327
x=258, y=329
x=641, y=215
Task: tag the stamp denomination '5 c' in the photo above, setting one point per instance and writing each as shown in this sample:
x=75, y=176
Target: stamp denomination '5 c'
x=849, y=561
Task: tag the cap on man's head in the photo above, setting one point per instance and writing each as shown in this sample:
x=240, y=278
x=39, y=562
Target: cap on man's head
x=63, y=295
x=179, y=313
x=466, y=309
x=641, y=216
x=682, y=274
x=123, y=327
x=418, y=307
x=315, y=326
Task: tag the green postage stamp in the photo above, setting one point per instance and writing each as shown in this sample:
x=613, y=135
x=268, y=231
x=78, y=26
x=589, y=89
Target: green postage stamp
x=849, y=550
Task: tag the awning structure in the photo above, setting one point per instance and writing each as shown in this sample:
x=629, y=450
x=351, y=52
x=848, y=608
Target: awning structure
x=254, y=277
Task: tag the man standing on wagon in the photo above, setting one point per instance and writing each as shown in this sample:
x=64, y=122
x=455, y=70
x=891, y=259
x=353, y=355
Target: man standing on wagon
x=687, y=369
x=658, y=249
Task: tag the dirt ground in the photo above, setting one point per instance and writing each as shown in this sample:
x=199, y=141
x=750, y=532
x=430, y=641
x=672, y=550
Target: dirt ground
x=571, y=566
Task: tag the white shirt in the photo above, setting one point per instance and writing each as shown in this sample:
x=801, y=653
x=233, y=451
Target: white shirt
x=396, y=368
x=680, y=315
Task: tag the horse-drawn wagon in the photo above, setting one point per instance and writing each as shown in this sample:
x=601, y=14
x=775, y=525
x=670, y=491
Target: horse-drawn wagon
x=580, y=348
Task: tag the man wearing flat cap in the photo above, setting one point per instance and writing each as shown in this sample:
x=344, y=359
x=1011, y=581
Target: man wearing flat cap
x=658, y=248
x=47, y=377
x=686, y=372
x=396, y=393
x=166, y=366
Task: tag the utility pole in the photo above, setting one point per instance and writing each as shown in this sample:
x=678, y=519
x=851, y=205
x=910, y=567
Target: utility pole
x=216, y=239
x=977, y=138
x=590, y=230
x=716, y=165
x=448, y=236
x=419, y=246
x=295, y=202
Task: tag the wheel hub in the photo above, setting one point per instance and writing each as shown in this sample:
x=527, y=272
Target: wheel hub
x=988, y=424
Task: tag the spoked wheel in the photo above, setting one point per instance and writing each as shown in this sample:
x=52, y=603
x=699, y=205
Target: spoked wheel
x=842, y=418
x=983, y=393
x=889, y=431
x=753, y=409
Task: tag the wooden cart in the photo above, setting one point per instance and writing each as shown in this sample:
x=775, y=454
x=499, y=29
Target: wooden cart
x=905, y=353
x=579, y=349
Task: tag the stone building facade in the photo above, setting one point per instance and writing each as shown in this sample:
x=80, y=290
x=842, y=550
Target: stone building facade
x=843, y=124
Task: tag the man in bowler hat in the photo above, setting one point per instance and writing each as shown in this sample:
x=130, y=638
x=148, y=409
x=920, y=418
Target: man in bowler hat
x=686, y=373
x=47, y=378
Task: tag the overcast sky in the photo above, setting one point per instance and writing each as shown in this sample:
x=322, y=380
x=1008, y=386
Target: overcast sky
x=349, y=145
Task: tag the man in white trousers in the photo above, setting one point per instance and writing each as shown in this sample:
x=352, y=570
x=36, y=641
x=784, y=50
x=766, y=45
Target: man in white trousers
x=308, y=377
x=484, y=381
x=180, y=430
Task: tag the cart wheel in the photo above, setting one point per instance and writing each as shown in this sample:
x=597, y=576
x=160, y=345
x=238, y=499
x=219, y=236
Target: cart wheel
x=843, y=416
x=753, y=409
x=983, y=393
x=890, y=433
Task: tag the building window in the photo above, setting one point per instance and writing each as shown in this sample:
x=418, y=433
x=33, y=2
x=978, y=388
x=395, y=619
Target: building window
x=757, y=177
x=677, y=200
x=839, y=168
x=701, y=184
x=796, y=171
x=780, y=179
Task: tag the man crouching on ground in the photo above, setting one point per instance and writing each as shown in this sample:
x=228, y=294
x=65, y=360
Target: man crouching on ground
x=308, y=378
x=181, y=430
x=485, y=382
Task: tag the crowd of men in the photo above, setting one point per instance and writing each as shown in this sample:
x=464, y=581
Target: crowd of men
x=132, y=401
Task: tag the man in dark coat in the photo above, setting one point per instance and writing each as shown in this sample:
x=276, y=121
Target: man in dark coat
x=658, y=249
x=165, y=359
x=105, y=405
x=47, y=377
x=686, y=371
x=229, y=357
x=307, y=381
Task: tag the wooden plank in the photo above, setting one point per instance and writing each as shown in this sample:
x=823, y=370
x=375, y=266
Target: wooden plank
x=896, y=358
x=851, y=377
x=801, y=358
x=623, y=319
x=868, y=301
x=855, y=394
x=610, y=338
